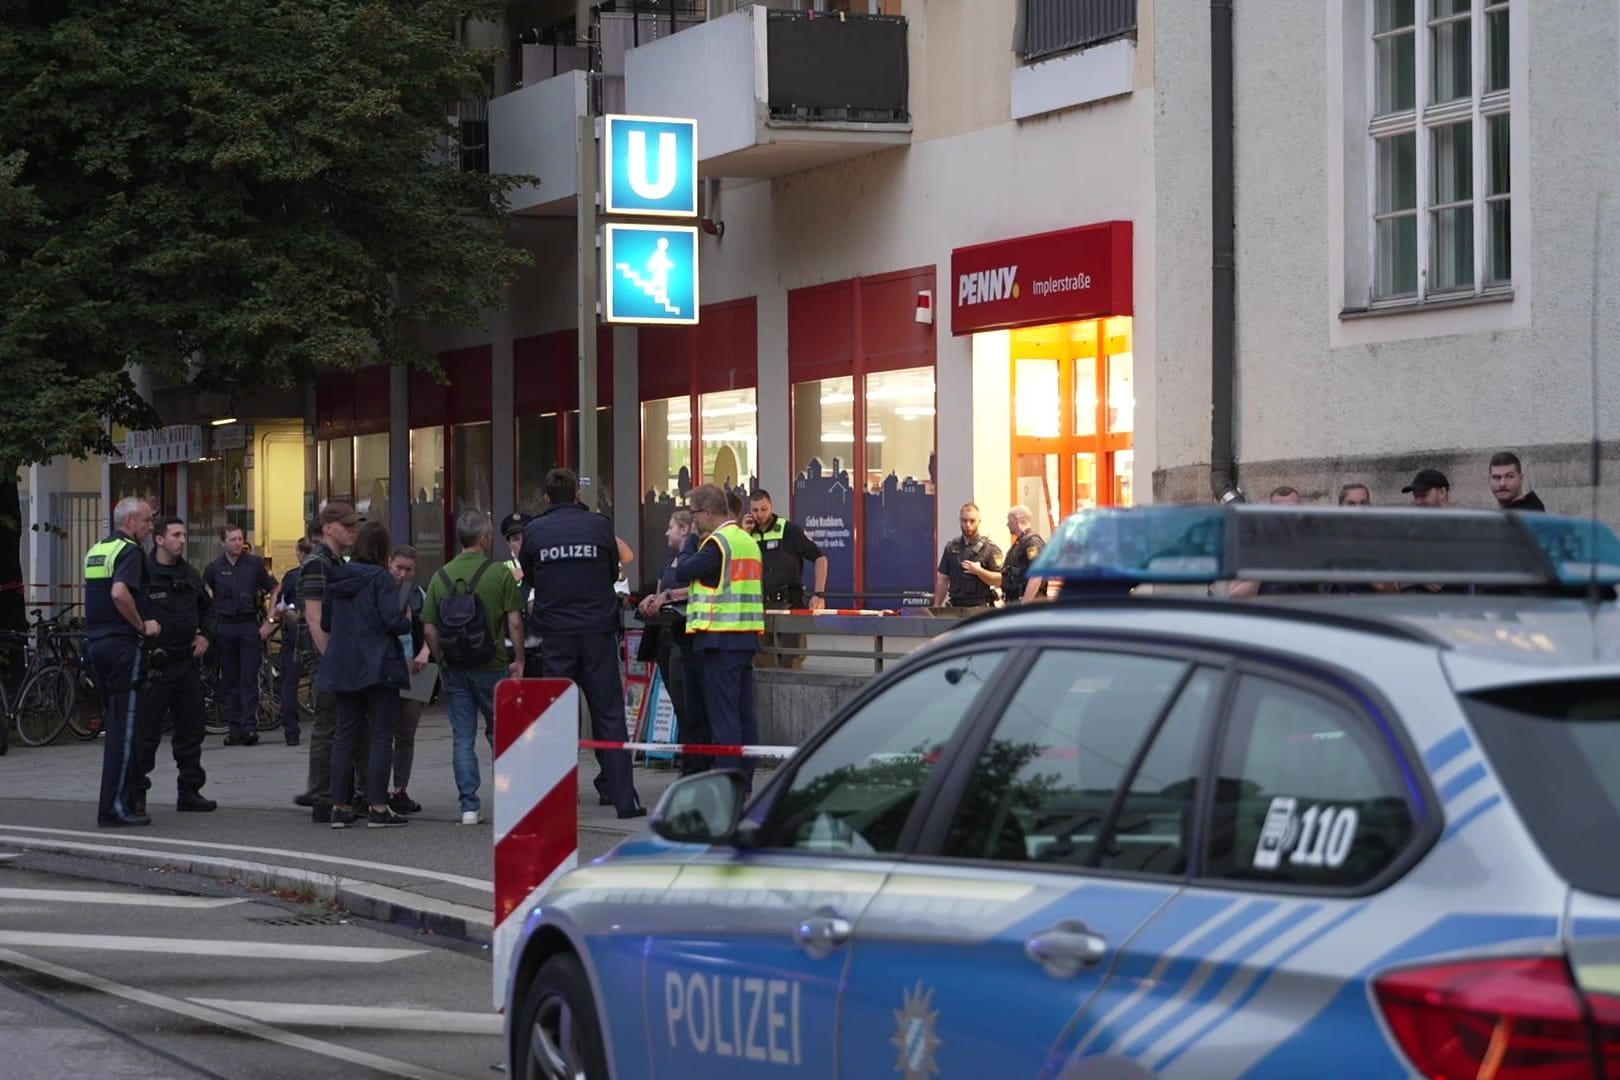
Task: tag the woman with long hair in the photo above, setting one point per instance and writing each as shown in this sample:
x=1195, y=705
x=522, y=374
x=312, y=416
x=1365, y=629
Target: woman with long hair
x=365, y=669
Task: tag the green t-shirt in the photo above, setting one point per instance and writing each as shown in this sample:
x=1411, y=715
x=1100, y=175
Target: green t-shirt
x=497, y=589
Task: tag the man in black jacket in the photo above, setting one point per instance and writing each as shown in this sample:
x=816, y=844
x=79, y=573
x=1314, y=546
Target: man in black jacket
x=1507, y=484
x=182, y=607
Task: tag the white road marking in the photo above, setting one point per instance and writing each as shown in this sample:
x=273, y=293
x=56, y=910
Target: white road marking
x=246, y=950
x=89, y=896
x=300, y=1014
x=339, y=860
x=386, y=1066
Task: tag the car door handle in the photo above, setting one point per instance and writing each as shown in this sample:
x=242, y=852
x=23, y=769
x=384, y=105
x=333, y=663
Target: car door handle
x=822, y=932
x=1066, y=949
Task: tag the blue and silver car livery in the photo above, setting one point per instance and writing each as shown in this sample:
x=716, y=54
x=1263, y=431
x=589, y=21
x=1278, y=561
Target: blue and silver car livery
x=1167, y=836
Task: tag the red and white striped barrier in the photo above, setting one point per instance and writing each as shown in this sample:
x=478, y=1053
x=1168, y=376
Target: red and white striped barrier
x=704, y=749
x=536, y=803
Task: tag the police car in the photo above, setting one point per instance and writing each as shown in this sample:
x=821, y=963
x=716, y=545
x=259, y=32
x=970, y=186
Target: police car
x=1167, y=836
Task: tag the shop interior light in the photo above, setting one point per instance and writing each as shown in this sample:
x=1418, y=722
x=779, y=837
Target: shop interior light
x=222, y=421
x=837, y=399
x=913, y=412
x=848, y=437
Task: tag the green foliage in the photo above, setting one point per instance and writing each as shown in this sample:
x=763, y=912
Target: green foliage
x=235, y=193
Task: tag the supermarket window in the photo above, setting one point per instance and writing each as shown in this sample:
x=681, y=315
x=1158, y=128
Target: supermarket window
x=472, y=483
x=899, y=486
x=538, y=452
x=342, y=463
x=427, y=499
x=730, y=433
x=371, y=475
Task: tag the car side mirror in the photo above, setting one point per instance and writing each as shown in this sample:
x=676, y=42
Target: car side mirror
x=700, y=809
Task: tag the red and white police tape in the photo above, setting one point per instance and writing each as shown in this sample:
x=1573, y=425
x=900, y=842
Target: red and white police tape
x=536, y=803
x=703, y=749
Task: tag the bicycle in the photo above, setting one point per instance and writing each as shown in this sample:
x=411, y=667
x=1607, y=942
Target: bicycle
x=40, y=697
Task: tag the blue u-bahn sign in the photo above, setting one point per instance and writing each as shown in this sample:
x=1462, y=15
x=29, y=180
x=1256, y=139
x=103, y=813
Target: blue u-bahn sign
x=651, y=274
x=650, y=166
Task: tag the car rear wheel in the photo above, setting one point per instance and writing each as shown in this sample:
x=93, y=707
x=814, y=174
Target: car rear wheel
x=564, y=1036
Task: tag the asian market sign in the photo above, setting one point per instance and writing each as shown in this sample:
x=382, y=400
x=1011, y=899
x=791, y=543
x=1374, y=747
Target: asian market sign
x=163, y=446
x=1054, y=277
x=650, y=166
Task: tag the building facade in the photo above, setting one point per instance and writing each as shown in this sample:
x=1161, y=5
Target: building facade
x=1428, y=241
x=927, y=275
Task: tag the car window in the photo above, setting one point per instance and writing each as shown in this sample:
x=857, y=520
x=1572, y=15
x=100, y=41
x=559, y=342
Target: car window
x=1150, y=835
x=1307, y=792
x=1043, y=785
x=852, y=793
x=1556, y=749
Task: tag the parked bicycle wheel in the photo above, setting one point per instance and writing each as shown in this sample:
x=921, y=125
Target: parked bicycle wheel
x=215, y=719
x=43, y=705
x=85, y=719
x=269, y=717
x=5, y=722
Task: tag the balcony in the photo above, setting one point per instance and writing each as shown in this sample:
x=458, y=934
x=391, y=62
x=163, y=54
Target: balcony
x=535, y=131
x=776, y=92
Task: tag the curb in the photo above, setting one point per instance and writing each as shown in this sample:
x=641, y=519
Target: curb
x=369, y=900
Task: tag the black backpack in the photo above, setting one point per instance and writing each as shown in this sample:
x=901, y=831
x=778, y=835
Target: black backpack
x=464, y=637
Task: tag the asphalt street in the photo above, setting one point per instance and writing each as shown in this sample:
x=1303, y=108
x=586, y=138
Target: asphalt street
x=105, y=975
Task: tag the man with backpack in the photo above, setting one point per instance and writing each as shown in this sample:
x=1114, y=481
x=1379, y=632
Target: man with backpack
x=470, y=612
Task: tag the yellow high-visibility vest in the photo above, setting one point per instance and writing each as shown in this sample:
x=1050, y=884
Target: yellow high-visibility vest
x=737, y=604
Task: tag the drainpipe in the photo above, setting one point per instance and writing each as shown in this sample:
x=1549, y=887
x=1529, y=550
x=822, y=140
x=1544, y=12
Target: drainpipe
x=1223, y=299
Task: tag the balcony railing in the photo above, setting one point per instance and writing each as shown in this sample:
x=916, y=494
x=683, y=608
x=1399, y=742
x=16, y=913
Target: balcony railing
x=825, y=67
x=1046, y=27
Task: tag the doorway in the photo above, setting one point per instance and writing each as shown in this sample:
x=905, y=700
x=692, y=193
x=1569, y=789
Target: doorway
x=1073, y=413
x=280, y=472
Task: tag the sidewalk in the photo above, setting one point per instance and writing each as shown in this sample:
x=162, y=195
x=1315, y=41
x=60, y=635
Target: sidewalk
x=435, y=874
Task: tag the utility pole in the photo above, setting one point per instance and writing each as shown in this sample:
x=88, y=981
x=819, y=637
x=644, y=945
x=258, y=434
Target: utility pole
x=585, y=316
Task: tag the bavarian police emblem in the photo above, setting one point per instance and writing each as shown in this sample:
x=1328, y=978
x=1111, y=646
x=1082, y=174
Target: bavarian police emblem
x=914, y=1036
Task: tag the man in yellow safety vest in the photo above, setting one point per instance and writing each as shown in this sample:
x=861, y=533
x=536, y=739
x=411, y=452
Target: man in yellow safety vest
x=725, y=615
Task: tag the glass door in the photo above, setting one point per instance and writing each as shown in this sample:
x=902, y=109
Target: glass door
x=1073, y=416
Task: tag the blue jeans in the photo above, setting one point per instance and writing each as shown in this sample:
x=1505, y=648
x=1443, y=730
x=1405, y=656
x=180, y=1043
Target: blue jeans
x=466, y=694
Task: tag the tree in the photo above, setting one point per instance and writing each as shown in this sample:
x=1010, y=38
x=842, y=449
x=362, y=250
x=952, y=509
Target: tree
x=234, y=193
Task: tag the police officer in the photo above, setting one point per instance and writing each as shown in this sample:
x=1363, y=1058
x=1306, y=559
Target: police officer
x=116, y=625
x=286, y=605
x=570, y=558
x=239, y=582
x=725, y=615
x=181, y=605
x=968, y=567
x=1016, y=584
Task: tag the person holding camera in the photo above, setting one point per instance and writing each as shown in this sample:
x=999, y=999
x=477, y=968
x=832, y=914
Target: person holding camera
x=184, y=611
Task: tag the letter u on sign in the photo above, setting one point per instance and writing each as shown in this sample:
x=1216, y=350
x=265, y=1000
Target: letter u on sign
x=649, y=166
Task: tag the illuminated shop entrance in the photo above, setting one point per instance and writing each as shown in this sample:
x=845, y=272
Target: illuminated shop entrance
x=1072, y=417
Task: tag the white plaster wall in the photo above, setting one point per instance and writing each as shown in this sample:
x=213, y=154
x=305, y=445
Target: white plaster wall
x=1457, y=381
x=706, y=73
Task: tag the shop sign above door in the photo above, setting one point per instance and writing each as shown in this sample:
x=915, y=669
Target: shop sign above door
x=163, y=446
x=1053, y=277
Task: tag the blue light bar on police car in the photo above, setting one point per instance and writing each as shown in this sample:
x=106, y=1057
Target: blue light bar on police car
x=1329, y=545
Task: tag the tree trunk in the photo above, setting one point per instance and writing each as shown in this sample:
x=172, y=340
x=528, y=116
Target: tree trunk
x=13, y=595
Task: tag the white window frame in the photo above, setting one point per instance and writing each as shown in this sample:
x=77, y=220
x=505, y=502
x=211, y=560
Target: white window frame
x=1422, y=120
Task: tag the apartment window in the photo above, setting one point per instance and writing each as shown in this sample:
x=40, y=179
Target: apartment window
x=1441, y=192
x=1046, y=27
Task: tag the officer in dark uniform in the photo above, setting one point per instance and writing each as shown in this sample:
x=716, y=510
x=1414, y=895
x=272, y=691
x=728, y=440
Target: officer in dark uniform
x=115, y=625
x=1026, y=546
x=240, y=582
x=181, y=605
x=968, y=567
x=570, y=558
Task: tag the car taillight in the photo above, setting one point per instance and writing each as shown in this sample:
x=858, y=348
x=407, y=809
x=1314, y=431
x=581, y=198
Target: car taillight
x=1503, y=1019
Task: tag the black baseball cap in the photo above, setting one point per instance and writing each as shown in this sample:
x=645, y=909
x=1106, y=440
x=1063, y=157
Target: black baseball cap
x=514, y=522
x=1427, y=480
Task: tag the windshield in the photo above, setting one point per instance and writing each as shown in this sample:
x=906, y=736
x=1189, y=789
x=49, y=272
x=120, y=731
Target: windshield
x=1557, y=749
